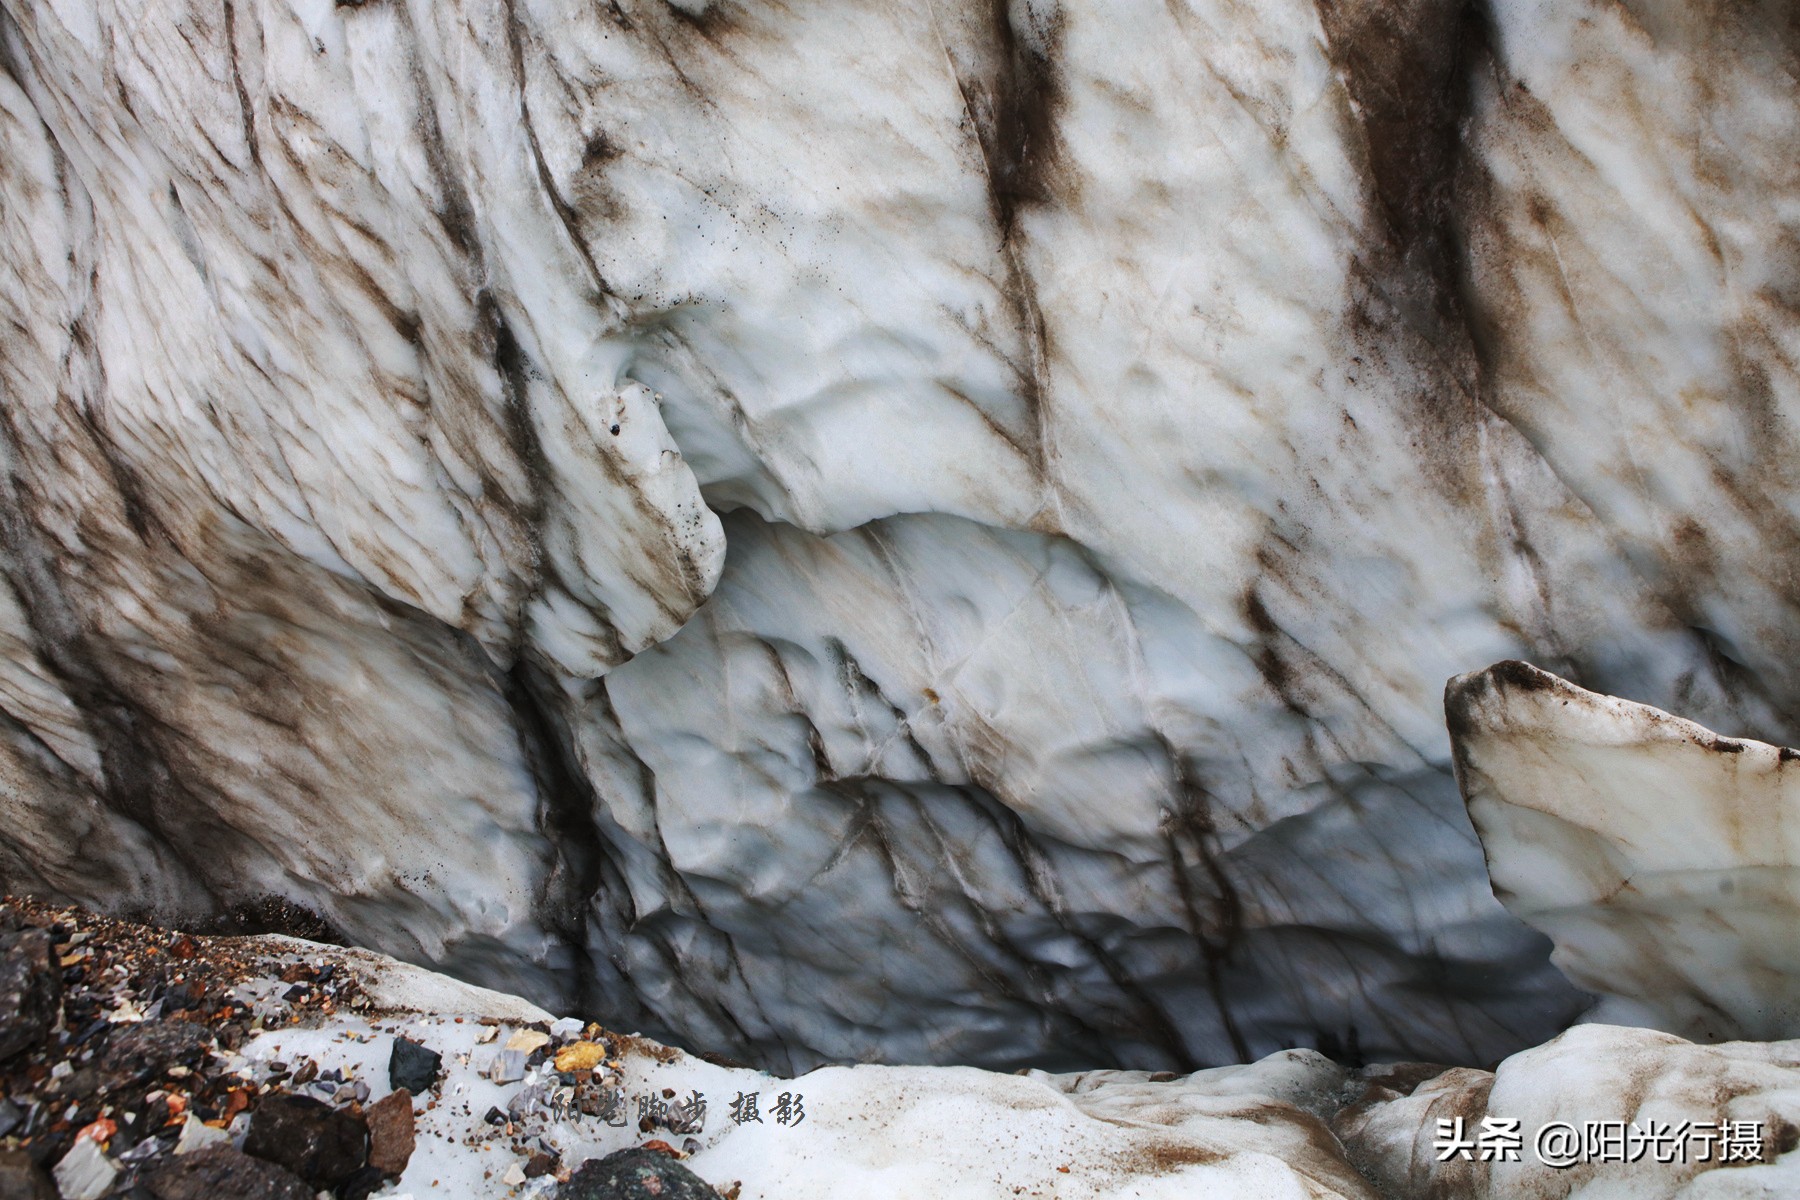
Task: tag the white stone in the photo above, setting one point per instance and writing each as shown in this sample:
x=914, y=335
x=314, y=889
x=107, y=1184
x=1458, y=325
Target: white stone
x=85, y=1172
x=197, y=1135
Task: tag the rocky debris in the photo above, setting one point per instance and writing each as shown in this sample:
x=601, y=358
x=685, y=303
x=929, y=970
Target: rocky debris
x=22, y=1179
x=30, y=988
x=635, y=1174
x=133, y=1062
x=413, y=1066
x=140, y=1090
x=222, y=1173
x=391, y=1132
x=322, y=1145
x=139, y=1053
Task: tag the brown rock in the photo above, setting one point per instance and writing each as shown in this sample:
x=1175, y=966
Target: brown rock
x=221, y=1172
x=22, y=1179
x=391, y=1132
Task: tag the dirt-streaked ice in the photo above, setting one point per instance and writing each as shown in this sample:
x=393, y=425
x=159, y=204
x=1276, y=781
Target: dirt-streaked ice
x=918, y=530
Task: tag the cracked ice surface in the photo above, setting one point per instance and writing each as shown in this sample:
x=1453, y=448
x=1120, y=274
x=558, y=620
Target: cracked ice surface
x=908, y=531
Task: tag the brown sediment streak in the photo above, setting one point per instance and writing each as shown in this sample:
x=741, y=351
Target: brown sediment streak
x=1405, y=64
x=1013, y=95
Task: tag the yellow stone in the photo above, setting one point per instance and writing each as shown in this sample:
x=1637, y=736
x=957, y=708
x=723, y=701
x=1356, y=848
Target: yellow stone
x=580, y=1056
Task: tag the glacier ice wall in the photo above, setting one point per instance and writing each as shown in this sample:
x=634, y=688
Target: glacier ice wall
x=911, y=530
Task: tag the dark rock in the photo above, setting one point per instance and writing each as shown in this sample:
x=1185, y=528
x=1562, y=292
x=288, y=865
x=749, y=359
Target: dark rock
x=315, y=1141
x=30, y=990
x=221, y=1173
x=635, y=1175
x=140, y=1054
x=362, y=1185
x=391, y=1133
x=11, y=1116
x=152, y=1118
x=22, y=1179
x=412, y=1066
x=540, y=1164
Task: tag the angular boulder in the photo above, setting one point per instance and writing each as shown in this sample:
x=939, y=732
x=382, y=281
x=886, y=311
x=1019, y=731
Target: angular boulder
x=320, y=1144
x=391, y=1132
x=413, y=1066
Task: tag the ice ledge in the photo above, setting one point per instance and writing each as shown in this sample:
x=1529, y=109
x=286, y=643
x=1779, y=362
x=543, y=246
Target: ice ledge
x=1658, y=855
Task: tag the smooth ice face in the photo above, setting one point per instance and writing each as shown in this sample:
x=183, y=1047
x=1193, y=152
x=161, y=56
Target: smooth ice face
x=1661, y=858
x=913, y=530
